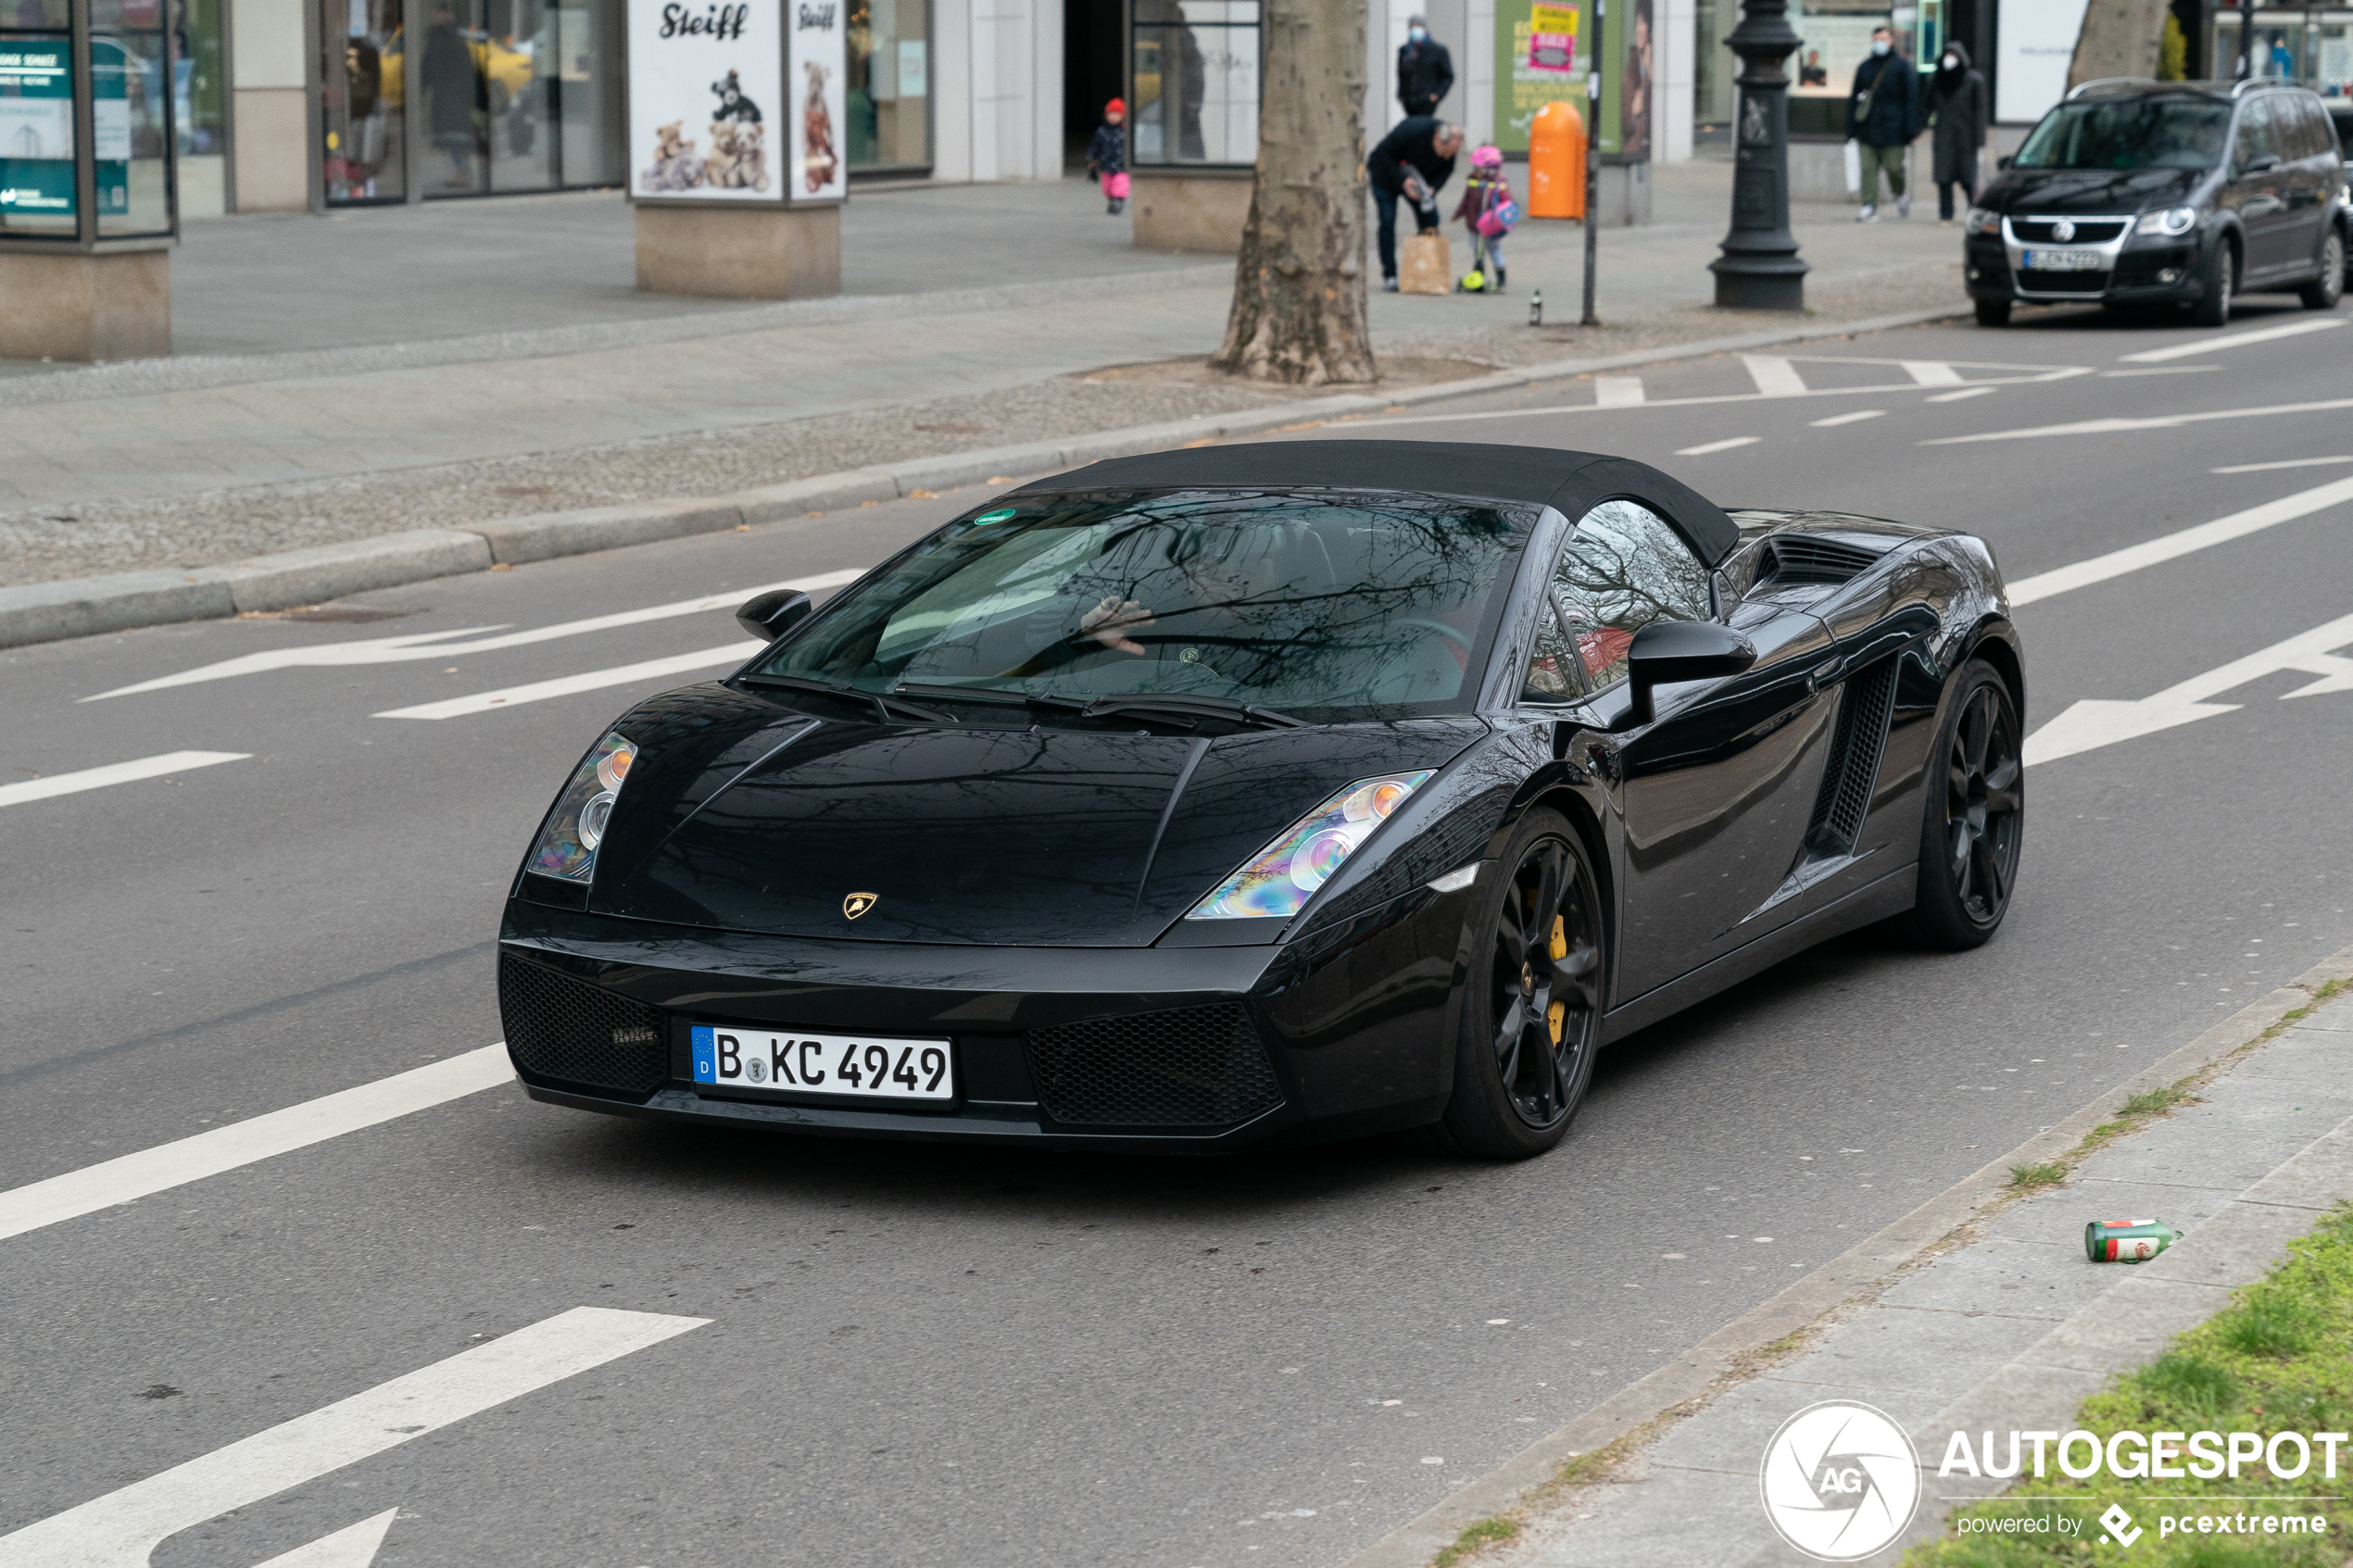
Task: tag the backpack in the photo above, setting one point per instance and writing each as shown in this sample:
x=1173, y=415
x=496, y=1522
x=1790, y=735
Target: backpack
x=1499, y=215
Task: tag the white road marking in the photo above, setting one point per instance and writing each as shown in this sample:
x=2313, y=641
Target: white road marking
x=2160, y=422
x=114, y=773
x=2096, y=722
x=132, y=1176
x=2207, y=344
x=1724, y=446
x=2170, y=547
x=355, y=1545
x=2283, y=463
x=1962, y=394
x=1986, y=384
x=565, y=685
x=1617, y=392
x=119, y=1529
x=1931, y=372
x=1774, y=375
x=1856, y=417
x=432, y=645
x=2163, y=371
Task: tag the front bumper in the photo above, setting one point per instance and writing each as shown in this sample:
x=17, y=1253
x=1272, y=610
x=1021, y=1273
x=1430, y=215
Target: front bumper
x=2136, y=274
x=1343, y=1032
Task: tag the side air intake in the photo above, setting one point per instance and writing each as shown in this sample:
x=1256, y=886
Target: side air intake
x=1851, y=771
x=1795, y=560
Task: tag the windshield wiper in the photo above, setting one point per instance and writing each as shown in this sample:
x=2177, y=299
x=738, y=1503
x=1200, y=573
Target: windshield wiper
x=964, y=694
x=886, y=707
x=1187, y=705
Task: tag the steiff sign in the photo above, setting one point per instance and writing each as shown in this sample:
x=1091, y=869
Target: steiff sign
x=735, y=102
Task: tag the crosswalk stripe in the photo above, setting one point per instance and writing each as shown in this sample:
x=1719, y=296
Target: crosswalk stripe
x=1931, y=372
x=1617, y=392
x=1774, y=375
x=2207, y=344
x=114, y=773
x=565, y=685
x=122, y=1528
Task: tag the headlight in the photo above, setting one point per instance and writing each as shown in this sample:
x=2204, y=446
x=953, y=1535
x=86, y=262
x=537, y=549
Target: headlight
x=1279, y=879
x=2173, y=221
x=566, y=847
x=1980, y=221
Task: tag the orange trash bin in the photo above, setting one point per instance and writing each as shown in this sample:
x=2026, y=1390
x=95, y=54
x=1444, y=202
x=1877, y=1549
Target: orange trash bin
x=1557, y=162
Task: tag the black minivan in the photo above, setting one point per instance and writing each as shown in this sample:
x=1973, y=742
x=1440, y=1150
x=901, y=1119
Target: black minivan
x=2136, y=193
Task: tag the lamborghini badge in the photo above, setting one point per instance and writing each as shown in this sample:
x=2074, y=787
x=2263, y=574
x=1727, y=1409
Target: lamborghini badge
x=858, y=904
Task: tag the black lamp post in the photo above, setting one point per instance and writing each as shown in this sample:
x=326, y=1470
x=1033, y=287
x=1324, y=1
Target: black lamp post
x=1759, y=269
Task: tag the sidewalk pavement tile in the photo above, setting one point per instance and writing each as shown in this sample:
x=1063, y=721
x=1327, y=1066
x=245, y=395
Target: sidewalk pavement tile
x=2003, y=1275
x=2245, y=1239
x=2322, y=1177
x=2127, y=1328
x=1669, y=1519
x=1937, y=1355
x=2181, y=1207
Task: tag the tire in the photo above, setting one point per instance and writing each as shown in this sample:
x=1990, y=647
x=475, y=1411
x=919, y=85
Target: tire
x=1993, y=312
x=1972, y=818
x=2214, y=306
x=1531, y=1023
x=2324, y=290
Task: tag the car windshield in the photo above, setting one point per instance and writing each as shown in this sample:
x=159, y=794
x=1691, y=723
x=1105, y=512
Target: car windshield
x=1327, y=605
x=2128, y=133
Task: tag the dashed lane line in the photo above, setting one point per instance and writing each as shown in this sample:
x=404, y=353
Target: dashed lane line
x=1724, y=446
x=1964, y=394
x=2233, y=340
x=2170, y=547
x=133, y=1176
x=1858, y=416
x=2283, y=463
x=122, y=1528
x=566, y=685
x=114, y=773
x=1975, y=388
x=435, y=644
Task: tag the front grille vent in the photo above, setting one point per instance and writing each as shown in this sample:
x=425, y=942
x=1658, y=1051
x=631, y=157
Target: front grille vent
x=1851, y=771
x=2086, y=231
x=1191, y=1067
x=565, y=1030
x=1796, y=559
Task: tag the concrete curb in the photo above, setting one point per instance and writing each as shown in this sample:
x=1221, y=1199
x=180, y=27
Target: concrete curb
x=82, y=606
x=1702, y=1369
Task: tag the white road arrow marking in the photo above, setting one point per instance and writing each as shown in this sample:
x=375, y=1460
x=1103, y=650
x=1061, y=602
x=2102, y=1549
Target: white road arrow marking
x=565, y=685
x=114, y=773
x=119, y=1529
x=435, y=644
x=2098, y=721
x=352, y=1547
x=2150, y=552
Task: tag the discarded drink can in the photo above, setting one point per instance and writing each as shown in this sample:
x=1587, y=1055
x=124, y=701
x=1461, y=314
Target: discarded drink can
x=2127, y=1241
x=1536, y=309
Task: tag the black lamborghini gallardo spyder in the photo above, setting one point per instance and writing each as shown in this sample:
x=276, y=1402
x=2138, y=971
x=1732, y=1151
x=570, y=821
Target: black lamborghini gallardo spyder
x=1280, y=791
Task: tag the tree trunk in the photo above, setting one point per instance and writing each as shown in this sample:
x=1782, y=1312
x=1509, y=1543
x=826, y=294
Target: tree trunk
x=1299, y=286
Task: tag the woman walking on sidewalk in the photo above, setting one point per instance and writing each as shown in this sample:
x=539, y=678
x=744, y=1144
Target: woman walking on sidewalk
x=1956, y=102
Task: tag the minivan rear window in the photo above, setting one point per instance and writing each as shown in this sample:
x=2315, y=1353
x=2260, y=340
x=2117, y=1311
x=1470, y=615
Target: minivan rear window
x=2130, y=134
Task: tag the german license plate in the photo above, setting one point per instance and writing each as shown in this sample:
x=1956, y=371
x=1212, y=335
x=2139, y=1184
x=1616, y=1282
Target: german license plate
x=2066, y=261
x=841, y=1066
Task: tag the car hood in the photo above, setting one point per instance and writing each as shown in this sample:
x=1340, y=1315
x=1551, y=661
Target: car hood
x=2053, y=192
x=753, y=816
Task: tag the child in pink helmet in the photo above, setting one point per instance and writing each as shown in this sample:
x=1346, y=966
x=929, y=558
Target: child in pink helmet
x=1489, y=212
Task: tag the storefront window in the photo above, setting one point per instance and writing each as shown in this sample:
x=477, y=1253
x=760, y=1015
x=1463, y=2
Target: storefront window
x=1836, y=38
x=36, y=120
x=130, y=117
x=890, y=86
x=587, y=82
x=361, y=89
x=2335, y=78
x=1196, y=71
x=198, y=78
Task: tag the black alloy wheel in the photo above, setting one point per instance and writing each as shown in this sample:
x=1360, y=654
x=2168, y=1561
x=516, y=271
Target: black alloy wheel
x=1532, y=1024
x=1975, y=813
x=2213, y=308
x=2328, y=286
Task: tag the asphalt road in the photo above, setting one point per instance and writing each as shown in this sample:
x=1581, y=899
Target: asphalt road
x=922, y=1355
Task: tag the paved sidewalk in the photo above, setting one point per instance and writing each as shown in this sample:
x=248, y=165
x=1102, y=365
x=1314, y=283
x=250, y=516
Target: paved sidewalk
x=1000, y=295
x=2011, y=1330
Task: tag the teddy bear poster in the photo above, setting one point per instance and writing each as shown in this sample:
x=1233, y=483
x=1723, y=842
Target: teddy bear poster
x=708, y=103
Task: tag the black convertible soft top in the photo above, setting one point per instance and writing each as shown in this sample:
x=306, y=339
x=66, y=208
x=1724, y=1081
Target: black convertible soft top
x=1572, y=482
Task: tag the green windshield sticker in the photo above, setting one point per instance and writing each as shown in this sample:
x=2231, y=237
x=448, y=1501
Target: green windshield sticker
x=1004, y=514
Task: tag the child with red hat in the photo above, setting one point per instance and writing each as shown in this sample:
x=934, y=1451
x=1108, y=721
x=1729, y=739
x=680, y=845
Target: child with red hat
x=1107, y=157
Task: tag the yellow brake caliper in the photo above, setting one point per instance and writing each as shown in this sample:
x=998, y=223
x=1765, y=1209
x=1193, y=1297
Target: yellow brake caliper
x=1559, y=1010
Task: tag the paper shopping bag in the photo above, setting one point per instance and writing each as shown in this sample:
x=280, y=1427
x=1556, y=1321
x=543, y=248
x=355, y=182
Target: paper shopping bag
x=1428, y=265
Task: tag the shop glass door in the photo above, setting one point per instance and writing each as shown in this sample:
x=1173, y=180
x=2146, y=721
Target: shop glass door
x=363, y=149
x=890, y=86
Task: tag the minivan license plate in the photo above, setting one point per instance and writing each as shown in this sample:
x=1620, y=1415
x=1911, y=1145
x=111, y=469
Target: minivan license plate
x=2065, y=261
x=835, y=1066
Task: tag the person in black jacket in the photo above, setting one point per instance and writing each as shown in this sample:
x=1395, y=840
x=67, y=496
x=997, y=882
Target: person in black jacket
x=1883, y=114
x=1415, y=160
x=1956, y=99
x=1425, y=70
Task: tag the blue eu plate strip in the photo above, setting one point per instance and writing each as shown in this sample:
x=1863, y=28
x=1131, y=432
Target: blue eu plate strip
x=706, y=1068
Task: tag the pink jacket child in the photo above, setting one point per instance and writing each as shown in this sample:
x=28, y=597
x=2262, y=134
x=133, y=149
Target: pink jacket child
x=1490, y=213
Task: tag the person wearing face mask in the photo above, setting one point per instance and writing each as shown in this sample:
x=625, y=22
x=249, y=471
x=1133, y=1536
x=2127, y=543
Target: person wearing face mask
x=1425, y=70
x=1883, y=114
x=1957, y=102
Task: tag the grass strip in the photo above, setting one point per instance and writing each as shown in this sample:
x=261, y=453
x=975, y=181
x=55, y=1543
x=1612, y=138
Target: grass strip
x=2280, y=1358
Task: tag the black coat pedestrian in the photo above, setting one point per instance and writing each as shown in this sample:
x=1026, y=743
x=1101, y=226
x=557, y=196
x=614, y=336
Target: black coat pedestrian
x=1425, y=75
x=452, y=85
x=1107, y=154
x=1957, y=100
x=1895, y=115
x=1412, y=143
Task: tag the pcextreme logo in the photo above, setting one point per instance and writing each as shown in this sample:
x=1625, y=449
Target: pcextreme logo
x=1840, y=1481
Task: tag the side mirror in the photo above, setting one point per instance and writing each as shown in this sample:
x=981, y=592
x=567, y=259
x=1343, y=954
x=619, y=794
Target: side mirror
x=2001, y=162
x=1666, y=651
x=770, y=615
x=2263, y=163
